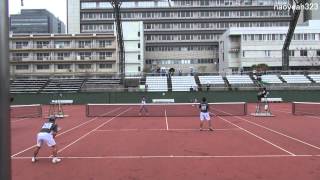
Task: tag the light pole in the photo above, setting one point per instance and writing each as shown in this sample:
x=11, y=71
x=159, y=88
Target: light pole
x=5, y=163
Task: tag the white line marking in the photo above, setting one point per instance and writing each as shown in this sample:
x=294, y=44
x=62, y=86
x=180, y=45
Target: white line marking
x=277, y=132
x=316, y=117
x=259, y=137
x=23, y=119
x=84, y=123
x=282, y=111
x=310, y=116
x=165, y=113
x=171, y=156
x=85, y=135
x=125, y=130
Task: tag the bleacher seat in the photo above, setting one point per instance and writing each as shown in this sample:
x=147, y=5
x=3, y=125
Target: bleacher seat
x=156, y=83
x=212, y=80
x=239, y=79
x=26, y=85
x=107, y=81
x=296, y=79
x=102, y=84
x=63, y=85
x=183, y=83
x=315, y=77
x=273, y=79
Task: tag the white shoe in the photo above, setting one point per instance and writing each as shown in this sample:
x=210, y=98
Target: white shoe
x=55, y=160
x=33, y=159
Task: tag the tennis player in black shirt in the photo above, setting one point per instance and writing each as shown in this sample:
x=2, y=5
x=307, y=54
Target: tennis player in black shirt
x=46, y=135
x=204, y=114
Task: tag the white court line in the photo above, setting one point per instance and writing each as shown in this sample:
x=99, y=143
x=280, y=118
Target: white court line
x=259, y=137
x=85, y=135
x=165, y=113
x=277, y=132
x=18, y=120
x=59, y=134
x=172, y=156
x=282, y=111
x=316, y=117
x=125, y=130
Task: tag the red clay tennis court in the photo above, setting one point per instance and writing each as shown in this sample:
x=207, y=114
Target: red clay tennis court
x=168, y=147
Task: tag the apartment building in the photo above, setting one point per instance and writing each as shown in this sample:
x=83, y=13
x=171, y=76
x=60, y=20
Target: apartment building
x=178, y=33
x=63, y=55
x=243, y=47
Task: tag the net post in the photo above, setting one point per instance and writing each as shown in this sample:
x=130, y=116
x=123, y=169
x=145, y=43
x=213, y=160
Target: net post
x=245, y=108
x=293, y=108
x=40, y=111
x=5, y=161
x=87, y=110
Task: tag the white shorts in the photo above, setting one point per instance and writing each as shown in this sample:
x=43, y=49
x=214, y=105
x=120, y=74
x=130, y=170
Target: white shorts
x=204, y=116
x=45, y=137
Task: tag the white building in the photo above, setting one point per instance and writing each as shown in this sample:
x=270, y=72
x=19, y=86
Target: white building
x=133, y=46
x=243, y=47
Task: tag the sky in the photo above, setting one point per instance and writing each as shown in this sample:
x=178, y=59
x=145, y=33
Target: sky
x=56, y=7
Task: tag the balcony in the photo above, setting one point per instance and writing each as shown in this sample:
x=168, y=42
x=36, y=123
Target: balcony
x=43, y=58
x=43, y=46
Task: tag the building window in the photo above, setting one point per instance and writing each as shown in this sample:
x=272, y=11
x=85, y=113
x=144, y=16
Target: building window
x=138, y=45
x=20, y=56
x=105, y=66
x=139, y=57
x=62, y=44
x=84, y=44
x=243, y=54
x=318, y=52
x=42, y=44
x=84, y=66
x=22, y=67
x=42, y=66
x=291, y=53
x=84, y=56
x=204, y=3
x=62, y=56
x=20, y=44
x=104, y=55
x=104, y=43
x=63, y=66
x=138, y=34
x=267, y=53
x=43, y=56
x=303, y=53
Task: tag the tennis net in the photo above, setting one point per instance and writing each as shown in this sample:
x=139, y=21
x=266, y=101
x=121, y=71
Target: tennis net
x=169, y=110
x=306, y=108
x=26, y=111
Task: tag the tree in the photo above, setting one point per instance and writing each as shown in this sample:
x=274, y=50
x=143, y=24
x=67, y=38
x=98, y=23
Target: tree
x=260, y=67
x=171, y=71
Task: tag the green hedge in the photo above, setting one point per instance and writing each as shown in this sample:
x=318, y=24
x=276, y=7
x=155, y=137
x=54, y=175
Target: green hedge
x=134, y=97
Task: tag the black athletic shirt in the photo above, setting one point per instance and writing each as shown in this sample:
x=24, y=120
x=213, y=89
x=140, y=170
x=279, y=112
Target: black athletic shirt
x=48, y=127
x=204, y=107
